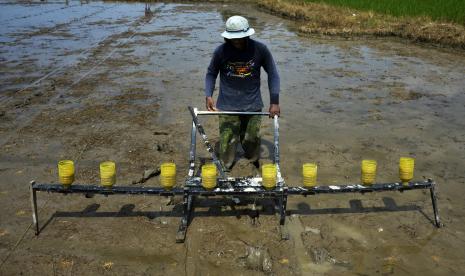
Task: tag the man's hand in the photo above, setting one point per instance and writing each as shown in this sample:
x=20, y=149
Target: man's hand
x=210, y=104
x=274, y=110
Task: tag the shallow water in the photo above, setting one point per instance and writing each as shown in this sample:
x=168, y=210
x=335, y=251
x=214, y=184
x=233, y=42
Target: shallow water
x=124, y=75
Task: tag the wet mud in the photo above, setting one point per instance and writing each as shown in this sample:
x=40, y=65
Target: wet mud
x=115, y=83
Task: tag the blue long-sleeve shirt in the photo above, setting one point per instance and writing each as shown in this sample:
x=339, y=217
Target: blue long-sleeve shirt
x=240, y=76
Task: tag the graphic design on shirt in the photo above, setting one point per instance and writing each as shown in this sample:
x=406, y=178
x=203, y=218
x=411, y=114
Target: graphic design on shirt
x=239, y=69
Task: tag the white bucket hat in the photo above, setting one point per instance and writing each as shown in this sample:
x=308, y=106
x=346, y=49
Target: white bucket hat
x=237, y=27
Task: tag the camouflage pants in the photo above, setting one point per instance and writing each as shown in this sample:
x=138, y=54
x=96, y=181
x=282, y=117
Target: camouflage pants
x=234, y=129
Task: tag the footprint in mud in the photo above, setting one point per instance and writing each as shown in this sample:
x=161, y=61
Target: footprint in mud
x=327, y=244
x=400, y=93
x=258, y=258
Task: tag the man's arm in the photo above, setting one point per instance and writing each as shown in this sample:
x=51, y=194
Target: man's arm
x=210, y=79
x=273, y=82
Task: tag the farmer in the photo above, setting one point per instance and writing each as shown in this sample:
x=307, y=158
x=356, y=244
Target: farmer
x=238, y=60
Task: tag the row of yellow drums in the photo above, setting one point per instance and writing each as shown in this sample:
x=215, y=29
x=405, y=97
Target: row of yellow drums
x=406, y=167
x=209, y=173
x=168, y=175
x=66, y=173
x=368, y=173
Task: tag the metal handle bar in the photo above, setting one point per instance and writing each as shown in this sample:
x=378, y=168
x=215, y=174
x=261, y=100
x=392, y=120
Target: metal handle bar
x=231, y=113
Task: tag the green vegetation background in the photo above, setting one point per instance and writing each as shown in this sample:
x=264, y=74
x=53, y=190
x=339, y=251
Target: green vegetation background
x=442, y=10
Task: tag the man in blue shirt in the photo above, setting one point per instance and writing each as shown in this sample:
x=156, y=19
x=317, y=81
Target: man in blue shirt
x=238, y=61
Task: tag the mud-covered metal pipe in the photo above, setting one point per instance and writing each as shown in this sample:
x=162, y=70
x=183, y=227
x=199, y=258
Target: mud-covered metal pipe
x=276, y=146
x=238, y=188
x=35, y=217
x=432, y=190
x=207, y=143
x=114, y=190
x=192, y=149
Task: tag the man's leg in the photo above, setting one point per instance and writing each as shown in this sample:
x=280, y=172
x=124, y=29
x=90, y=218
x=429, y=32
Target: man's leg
x=250, y=137
x=230, y=127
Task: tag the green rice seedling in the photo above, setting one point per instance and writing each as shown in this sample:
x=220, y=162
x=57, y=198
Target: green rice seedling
x=440, y=10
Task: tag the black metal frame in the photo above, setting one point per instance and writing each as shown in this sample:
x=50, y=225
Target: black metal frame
x=229, y=186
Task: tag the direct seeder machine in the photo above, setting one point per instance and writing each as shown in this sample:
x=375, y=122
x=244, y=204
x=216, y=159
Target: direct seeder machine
x=210, y=180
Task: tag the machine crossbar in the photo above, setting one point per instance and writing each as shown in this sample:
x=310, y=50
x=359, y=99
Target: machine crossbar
x=242, y=187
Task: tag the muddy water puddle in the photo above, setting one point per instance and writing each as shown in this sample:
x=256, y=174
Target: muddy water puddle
x=119, y=81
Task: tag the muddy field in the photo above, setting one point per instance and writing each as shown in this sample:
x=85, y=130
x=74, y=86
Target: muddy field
x=115, y=83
